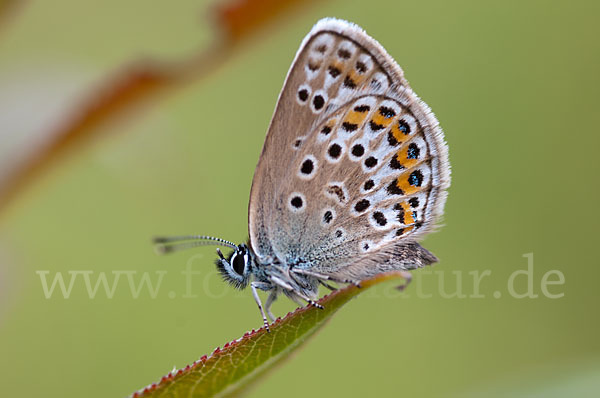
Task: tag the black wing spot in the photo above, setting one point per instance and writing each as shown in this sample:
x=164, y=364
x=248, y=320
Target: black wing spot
x=334, y=151
x=387, y=112
x=403, y=126
x=375, y=126
x=327, y=217
x=395, y=164
x=318, y=102
x=358, y=150
x=371, y=162
x=379, y=218
x=362, y=108
x=392, y=140
x=369, y=185
x=313, y=67
x=307, y=166
x=303, y=95
x=344, y=54
x=349, y=127
x=362, y=205
x=348, y=82
x=414, y=202
x=400, y=216
x=361, y=67
x=413, y=151
x=334, y=72
x=297, y=202
x=326, y=130
x=321, y=49
x=415, y=178
x=393, y=189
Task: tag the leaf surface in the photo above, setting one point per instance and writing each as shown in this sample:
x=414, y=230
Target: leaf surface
x=230, y=370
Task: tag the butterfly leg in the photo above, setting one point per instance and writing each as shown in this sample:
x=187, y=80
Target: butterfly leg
x=327, y=285
x=295, y=293
x=322, y=277
x=313, y=303
x=262, y=286
x=272, y=297
x=298, y=297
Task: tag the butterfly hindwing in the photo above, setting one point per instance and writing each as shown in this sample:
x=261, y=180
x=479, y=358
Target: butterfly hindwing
x=353, y=165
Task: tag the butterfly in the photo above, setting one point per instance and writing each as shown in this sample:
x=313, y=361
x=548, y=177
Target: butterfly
x=353, y=173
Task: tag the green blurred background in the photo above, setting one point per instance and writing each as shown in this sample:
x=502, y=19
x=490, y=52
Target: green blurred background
x=515, y=87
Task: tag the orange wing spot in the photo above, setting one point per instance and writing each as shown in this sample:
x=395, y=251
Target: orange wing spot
x=398, y=134
x=403, y=231
x=381, y=120
x=405, y=186
x=355, y=117
x=395, y=136
x=328, y=127
x=403, y=158
x=335, y=69
x=357, y=78
x=407, y=213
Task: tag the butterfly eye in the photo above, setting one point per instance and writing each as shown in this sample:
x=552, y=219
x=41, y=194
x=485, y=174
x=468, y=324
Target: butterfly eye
x=238, y=263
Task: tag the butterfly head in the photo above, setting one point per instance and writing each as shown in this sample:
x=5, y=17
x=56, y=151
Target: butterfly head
x=236, y=268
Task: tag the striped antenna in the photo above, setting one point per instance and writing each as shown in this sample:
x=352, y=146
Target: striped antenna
x=169, y=244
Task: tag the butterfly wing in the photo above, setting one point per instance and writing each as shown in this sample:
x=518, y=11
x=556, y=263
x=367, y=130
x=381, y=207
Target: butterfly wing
x=354, y=169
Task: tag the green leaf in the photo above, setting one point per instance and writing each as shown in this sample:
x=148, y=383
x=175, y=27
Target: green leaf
x=228, y=371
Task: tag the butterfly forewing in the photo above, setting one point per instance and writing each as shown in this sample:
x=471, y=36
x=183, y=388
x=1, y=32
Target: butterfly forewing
x=353, y=165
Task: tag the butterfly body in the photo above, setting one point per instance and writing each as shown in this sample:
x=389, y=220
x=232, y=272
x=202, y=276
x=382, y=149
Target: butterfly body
x=353, y=172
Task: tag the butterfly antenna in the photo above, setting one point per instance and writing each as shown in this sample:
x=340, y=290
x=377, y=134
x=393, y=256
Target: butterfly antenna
x=171, y=244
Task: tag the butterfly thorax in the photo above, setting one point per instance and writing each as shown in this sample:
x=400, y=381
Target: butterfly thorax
x=282, y=276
